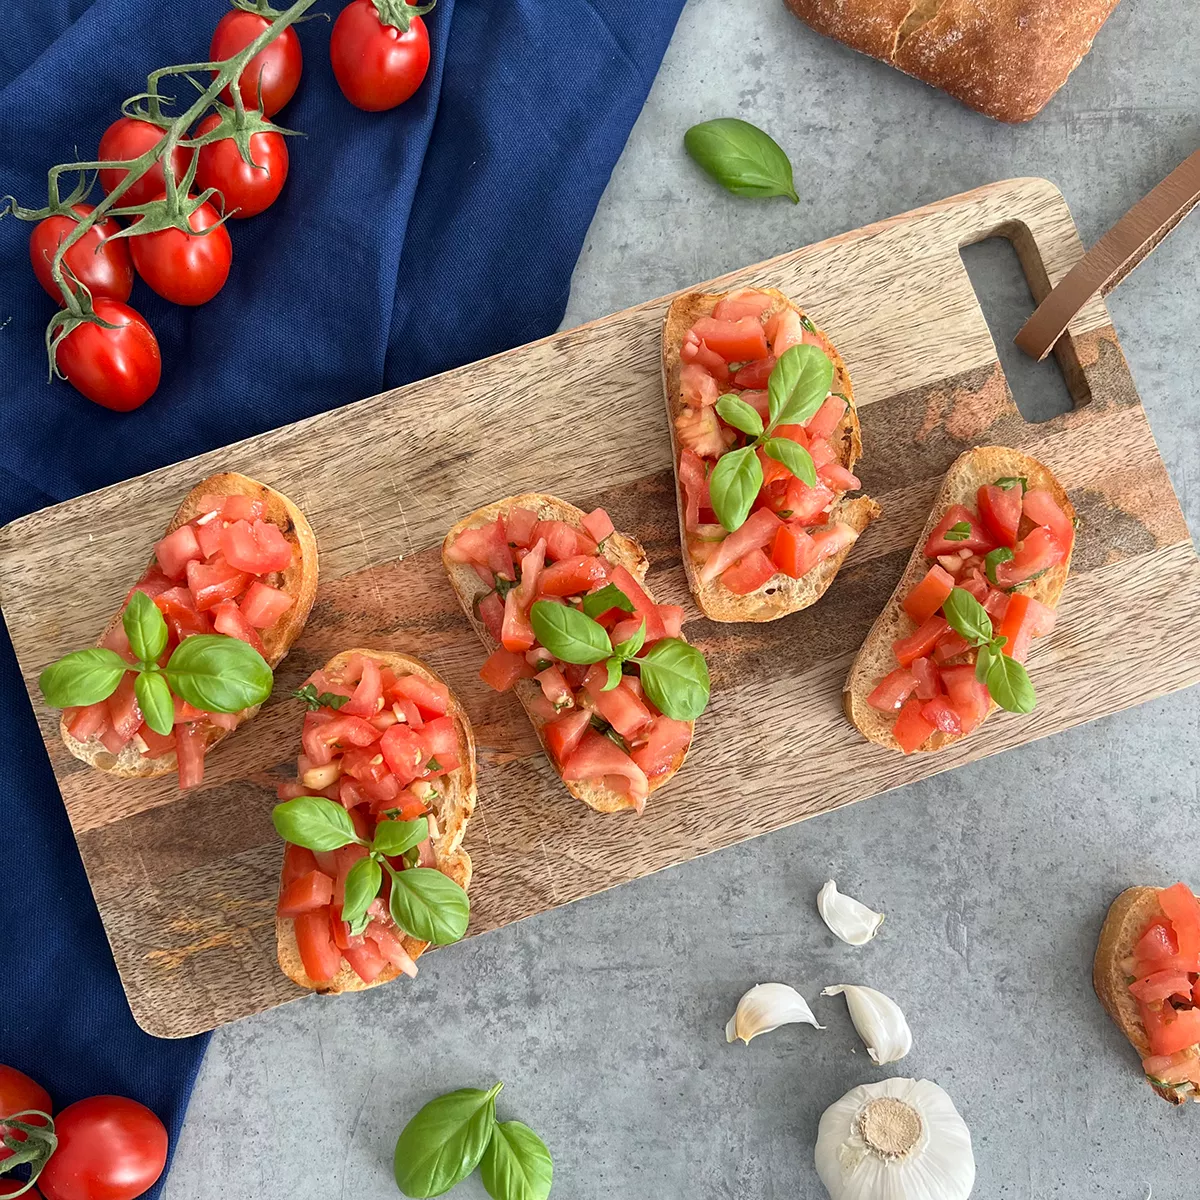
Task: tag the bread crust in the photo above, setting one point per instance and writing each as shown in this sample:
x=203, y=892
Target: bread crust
x=619, y=549
x=453, y=814
x=780, y=595
x=967, y=473
x=1127, y=919
x=1003, y=58
x=299, y=581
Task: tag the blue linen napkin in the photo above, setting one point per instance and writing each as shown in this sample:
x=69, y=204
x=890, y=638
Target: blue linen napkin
x=405, y=243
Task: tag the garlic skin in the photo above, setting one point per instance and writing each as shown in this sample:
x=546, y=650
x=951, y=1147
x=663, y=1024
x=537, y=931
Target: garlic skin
x=900, y=1139
x=849, y=919
x=766, y=1007
x=879, y=1021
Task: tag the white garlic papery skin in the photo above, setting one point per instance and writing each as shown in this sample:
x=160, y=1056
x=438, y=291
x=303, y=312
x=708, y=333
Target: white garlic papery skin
x=766, y=1007
x=901, y=1139
x=879, y=1021
x=849, y=919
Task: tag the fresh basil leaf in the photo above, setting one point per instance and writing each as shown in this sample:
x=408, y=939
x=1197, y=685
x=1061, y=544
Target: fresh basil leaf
x=733, y=410
x=444, y=1142
x=741, y=158
x=596, y=604
x=983, y=662
x=314, y=823
x=613, y=667
x=958, y=532
x=1008, y=482
x=356, y=928
x=392, y=838
x=218, y=673
x=154, y=699
x=799, y=383
x=734, y=486
x=145, y=627
x=967, y=617
x=992, y=559
x=429, y=905
x=362, y=886
x=1009, y=685
x=628, y=648
x=675, y=677
x=82, y=677
x=568, y=634
x=308, y=693
x=794, y=457
x=516, y=1165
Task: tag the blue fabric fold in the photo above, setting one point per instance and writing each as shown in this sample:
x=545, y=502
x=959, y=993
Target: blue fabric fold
x=405, y=243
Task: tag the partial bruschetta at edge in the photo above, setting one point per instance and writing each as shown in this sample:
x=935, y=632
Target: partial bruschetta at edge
x=765, y=437
x=374, y=871
x=983, y=582
x=559, y=599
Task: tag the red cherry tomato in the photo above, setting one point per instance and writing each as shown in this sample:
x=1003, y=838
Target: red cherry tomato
x=128, y=138
x=117, y=368
x=247, y=189
x=109, y=1148
x=377, y=65
x=103, y=266
x=186, y=268
x=276, y=69
x=19, y=1093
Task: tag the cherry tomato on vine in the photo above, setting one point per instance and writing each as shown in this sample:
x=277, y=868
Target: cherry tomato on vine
x=247, y=189
x=109, y=1148
x=18, y=1093
x=276, y=69
x=117, y=368
x=104, y=267
x=186, y=268
x=380, y=52
x=128, y=138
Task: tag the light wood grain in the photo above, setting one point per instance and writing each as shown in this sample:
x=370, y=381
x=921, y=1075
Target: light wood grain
x=186, y=883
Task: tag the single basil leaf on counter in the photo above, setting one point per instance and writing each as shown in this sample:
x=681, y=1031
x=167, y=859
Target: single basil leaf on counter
x=444, y=1142
x=613, y=667
x=968, y=618
x=154, y=699
x=734, y=486
x=992, y=560
x=733, y=410
x=82, y=677
x=1008, y=482
x=798, y=385
x=218, y=673
x=146, y=629
x=516, y=1165
x=630, y=647
x=568, y=634
x=675, y=677
x=313, y=822
x=741, y=158
x=429, y=905
x=392, y=838
x=610, y=596
x=1009, y=685
x=362, y=886
x=794, y=457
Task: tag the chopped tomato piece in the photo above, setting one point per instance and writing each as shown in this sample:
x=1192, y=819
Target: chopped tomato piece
x=598, y=525
x=974, y=537
x=893, y=690
x=664, y=742
x=364, y=701
x=920, y=643
x=757, y=532
x=263, y=605
x=911, y=728
x=756, y=374
x=698, y=388
x=1170, y=1030
x=153, y=583
x=1157, y=945
x=1015, y=627
x=671, y=616
x=563, y=540
x=644, y=609
x=156, y=743
x=112, y=741
x=310, y=891
x=484, y=545
x=973, y=581
x=555, y=688
x=314, y=939
x=256, y=548
x=210, y=583
x=297, y=861
x=694, y=350
x=1001, y=512
x=805, y=505
x=793, y=551
x=366, y=764
x=516, y=634
x=772, y=468
x=822, y=453
x=190, y=744
x=503, y=668
x=84, y=723
x=404, y=752
x=178, y=606
x=942, y=715
x=319, y=737
x=563, y=733
x=176, y=550
x=123, y=713
x=208, y=536
x=929, y=595
x=597, y=757
x=365, y=958
x=744, y=302
x=695, y=487
x=742, y=340
x=827, y=418
x=833, y=539
x=1183, y=911
x=1037, y=553
x=1042, y=509
x=996, y=605
x=429, y=695
x=928, y=684
x=833, y=475
x=1162, y=985
x=520, y=523
x=785, y=329
x=439, y=739
x=228, y=619
x=491, y=613
x=950, y=645
x=748, y=574
x=621, y=707
x=237, y=507
x=699, y=430
x=391, y=947
x=569, y=576
x=969, y=697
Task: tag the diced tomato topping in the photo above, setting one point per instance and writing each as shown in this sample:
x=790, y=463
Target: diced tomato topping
x=84, y=723
x=920, y=643
x=793, y=551
x=671, y=616
x=1037, y=553
x=1170, y=1030
x=995, y=604
x=621, y=707
x=319, y=737
x=516, y=634
x=756, y=374
x=491, y=613
x=973, y=581
x=314, y=939
x=404, y=752
x=208, y=536
x=833, y=539
x=911, y=728
x=256, y=548
x=1041, y=508
x=563, y=733
x=598, y=525
x=785, y=330
x=569, y=576
x=805, y=505
x=178, y=606
x=693, y=350
x=596, y=757
x=365, y=764
x=833, y=475
x=368, y=692
x=893, y=690
x=827, y=418
x=1157, y=946
x=123, y=713
x=1015, y=627
x=942, y=715
x=563, y=540
x=190, y=745
x=366, y=960
x=228, y=619
x=664, y=742
x=176, y=550
x=111, y=740
x=237, y=507
x=695, y=487
x=439, y=739
x=772, y=468
x=555, y=688
x=757, y=532
x=749, y=573
x=156, y=743
x=263, y=605
x=520, y=523
x=644, y=609
x=697, y=387
x=485, y=546
x=314, y=890
x=929, y=595
x=926, y=674
x=503, y=668
x=950, y=645
x=745, y=302
x=1001, y=512
x=1183, y=911
x=1162, y=985
x=210, y=583
x=741, y=340
x=429, y=695
x=153, y=583
x=391, y=947
x=968, y=696
x=975, y=538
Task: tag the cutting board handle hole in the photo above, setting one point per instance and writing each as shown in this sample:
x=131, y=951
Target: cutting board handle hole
x=1005, y=291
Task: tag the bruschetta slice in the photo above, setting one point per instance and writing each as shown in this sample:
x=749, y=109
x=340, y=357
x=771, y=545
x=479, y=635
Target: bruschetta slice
x=238, y=558
x=764, y=444
x=384, y=741
x=983, y=582
x=559, y=599
x=1147, y=975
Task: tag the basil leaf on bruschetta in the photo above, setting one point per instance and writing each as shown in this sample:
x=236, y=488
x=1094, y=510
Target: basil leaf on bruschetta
x=218, y=674
x=605, y=599
x=429, y=905
x=675, y=677
x=154, y=699
x=145, y=627
x=82, y=677
x=568, y=634
x=314, y=823
x=798, y=384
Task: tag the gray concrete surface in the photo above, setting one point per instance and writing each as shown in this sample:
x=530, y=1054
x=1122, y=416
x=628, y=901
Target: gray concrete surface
x=605, y=1019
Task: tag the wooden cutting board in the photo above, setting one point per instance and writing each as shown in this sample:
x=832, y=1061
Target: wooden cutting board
x=186, y=883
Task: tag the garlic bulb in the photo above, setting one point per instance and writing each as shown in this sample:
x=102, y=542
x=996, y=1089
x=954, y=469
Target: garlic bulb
x=766, y=1007
x=878, y=1019
x=901, y=1139
x=850, y=919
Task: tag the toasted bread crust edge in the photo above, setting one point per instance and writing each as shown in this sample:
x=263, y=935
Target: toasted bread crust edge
x=982, y=465
x=299, y=581
x=456, y=810
x=619, y=549
x=780, y=595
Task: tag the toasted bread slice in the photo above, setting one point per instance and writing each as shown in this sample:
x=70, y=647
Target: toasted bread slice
x=299, y=581
x=967, y=474
x=618, y=549
x=453, y=810
x=1127, y=919
x=780, y=594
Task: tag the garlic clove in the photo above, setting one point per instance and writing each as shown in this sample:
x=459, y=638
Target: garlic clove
x=879, y=1021
x=766, y=1007
x=849, y=919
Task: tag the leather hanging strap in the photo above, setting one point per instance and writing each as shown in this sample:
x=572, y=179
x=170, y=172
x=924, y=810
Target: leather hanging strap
x=1113, y=257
